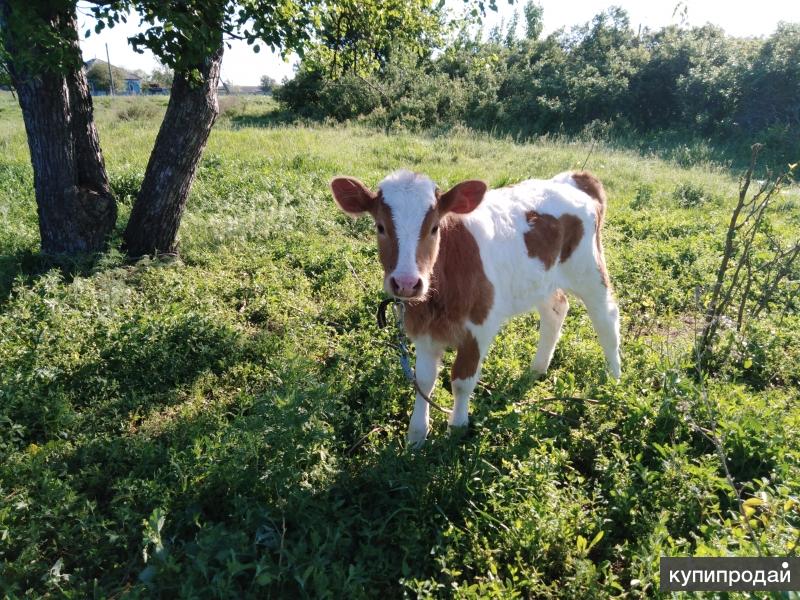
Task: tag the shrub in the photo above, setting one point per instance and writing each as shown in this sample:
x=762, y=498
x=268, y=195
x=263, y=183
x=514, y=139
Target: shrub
x=644, y=196
x=689, y=195
x=125, y=185
x=137, y=109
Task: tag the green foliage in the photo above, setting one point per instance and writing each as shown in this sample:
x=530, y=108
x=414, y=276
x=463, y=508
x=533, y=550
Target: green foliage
x=183, y=35
x=696, y=82
x=534, y=20
x=5, y=76
x=41, y=34
x=355, y=36
x=688, y=195
x=772, y=83
x=201, y=427
x=643, y=198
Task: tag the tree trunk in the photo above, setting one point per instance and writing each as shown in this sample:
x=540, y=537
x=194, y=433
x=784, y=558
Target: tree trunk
x=191, y=112
x=76, y=209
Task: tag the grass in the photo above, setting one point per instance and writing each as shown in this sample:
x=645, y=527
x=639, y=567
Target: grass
x=191, y=427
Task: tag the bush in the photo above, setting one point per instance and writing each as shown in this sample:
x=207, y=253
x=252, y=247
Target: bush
x=310, y=95
x=698, y=82
x=689, y=195
x=125, y=185
x=136, y=109
x=644, y=196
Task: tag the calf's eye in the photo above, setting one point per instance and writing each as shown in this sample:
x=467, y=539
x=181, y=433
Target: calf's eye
x=434, y=230
x=380, y=228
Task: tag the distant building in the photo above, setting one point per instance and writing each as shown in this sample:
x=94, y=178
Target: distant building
x=133, y=85
x=98, y=80
x=153, y=89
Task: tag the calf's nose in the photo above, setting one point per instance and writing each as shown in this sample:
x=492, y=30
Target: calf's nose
x=406, y=286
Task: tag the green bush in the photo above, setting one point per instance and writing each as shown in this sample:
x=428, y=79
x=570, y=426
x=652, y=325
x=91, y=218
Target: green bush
x=136, y=110
x=644, y=197
x=688, y=195
x=720, y=92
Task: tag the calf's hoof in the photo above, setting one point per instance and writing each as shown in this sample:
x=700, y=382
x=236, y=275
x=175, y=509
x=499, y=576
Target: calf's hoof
x=458, y=431
x=458, y=421
x=534, y=374
x=615, y=370
x=416, y=437
x=539, y=368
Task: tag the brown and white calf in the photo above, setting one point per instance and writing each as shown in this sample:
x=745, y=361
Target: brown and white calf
x=469, y=259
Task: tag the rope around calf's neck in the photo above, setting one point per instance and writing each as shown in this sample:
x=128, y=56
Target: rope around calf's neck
x=399, y=309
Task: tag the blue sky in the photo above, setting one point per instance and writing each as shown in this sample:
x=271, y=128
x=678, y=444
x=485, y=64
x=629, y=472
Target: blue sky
x=243, y=67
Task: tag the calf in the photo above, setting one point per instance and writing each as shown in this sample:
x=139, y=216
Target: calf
x=467, y=260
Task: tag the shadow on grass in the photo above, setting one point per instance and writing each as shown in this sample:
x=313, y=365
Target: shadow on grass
x=88, y=420
x=256, y=489
x=144, y=365
x=176, y=415
x=30, y=266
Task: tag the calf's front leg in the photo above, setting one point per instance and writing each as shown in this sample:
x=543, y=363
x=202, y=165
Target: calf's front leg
x=429, y=357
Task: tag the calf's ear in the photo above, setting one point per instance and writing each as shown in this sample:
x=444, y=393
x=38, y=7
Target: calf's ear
x=352, y=196
x=462, y=198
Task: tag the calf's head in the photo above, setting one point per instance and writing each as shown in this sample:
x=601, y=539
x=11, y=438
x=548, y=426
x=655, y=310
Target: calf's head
x=408, y=211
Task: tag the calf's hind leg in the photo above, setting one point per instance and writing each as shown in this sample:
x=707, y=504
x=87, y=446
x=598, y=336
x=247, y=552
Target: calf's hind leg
x=604, y=313
x=551, y=316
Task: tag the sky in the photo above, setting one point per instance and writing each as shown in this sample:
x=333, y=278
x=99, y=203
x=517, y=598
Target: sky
x=241, y=66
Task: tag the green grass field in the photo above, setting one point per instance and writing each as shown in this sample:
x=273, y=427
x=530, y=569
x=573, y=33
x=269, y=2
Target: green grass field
x=190, y=428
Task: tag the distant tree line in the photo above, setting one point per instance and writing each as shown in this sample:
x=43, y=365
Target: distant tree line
x=602, y=75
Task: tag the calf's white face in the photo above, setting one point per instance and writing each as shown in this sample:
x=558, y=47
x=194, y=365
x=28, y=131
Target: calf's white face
x=408, y=210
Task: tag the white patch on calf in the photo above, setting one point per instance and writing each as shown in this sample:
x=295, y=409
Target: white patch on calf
x=410, y=196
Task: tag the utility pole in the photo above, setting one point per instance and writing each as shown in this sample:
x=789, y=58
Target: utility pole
x=110, y=75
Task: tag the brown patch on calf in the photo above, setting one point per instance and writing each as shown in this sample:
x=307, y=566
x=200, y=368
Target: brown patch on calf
x=590, y=185
x=467, y=358
x=387, y=241
x=543, y=240
x=428, y=245
x=459, y=288
x=356, y=198
x=573, y=232
x=559, y=300
x=551, y=238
